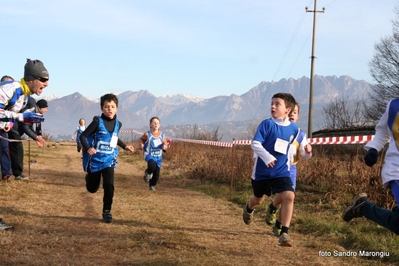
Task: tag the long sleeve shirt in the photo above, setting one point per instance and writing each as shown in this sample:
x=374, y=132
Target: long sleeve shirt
x=92, y=128
x=386, y=131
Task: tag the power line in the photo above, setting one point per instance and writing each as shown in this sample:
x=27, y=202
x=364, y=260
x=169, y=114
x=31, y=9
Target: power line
x=290, y=44
x=310, y=122
x=299, y=24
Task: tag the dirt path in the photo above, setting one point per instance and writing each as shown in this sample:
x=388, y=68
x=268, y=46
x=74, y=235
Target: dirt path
x=59, y=223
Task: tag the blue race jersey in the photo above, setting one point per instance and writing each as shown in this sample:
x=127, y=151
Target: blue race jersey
x=153, y=148
x=271, y=134
x=105, y=154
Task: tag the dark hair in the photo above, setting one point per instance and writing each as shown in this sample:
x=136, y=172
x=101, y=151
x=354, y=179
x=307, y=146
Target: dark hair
x=289, y=100
x=154, y=117
x=5, y=78
x=108, y=98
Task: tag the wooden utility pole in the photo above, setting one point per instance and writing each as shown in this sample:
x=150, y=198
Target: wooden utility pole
x=310, y=122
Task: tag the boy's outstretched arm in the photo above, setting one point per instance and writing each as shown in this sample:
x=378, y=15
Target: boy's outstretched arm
x=263, y=153
x=143, y=139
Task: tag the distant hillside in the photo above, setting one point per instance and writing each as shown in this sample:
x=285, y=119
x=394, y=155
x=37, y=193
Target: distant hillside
x=136, y=108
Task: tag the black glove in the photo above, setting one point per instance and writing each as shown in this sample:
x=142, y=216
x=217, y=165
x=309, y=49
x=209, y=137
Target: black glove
x=371, y=157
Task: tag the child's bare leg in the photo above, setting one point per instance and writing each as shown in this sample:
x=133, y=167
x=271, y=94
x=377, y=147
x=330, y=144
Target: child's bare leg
x=279, y=213
x=287, y=207
x=254, y=201
x=247, y=214
x=286, y=214
x=277, y=200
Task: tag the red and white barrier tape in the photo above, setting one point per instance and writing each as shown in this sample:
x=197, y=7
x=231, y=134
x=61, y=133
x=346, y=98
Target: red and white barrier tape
x=313, y=141
x=206, y=142
x=341, y=140
x=325, y=140
x=242, y=142
x=130, y=131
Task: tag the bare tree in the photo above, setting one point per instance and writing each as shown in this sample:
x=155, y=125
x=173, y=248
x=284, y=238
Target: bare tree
x=215, y=135
x=344, y=113
x=384, y=68
x=199, y=134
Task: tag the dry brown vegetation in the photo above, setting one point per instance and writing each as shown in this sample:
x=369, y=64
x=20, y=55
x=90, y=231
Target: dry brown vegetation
x=337, y=171
x=57, y=222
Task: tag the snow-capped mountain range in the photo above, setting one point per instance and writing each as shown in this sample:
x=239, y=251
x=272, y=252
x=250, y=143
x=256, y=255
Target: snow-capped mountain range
x=137, y=107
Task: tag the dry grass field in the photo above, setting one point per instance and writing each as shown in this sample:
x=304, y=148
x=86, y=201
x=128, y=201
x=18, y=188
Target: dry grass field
x=57, y=222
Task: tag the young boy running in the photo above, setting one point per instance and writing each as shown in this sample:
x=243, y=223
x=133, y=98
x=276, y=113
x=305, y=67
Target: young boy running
x=79, y=130
x=271, y=171
x=300, y=146
x=153, y=142
x=100, y=151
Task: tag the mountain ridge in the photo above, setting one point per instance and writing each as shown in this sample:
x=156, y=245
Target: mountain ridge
x=137, y=107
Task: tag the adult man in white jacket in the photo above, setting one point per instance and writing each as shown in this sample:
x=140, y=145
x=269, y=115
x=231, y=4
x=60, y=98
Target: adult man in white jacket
x=14, y=96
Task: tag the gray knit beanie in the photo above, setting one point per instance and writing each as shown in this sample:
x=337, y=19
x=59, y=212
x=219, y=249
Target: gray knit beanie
x=35, y=69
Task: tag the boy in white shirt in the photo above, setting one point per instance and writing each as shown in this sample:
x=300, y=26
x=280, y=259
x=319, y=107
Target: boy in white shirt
x=386, y=131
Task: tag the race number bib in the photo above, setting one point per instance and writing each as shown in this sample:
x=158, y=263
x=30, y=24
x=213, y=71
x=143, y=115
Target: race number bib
x=114, y=141
x=157, y=142
x=281, y=146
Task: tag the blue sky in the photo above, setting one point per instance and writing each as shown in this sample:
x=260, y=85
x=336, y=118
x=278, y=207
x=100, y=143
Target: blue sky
x=202, y=48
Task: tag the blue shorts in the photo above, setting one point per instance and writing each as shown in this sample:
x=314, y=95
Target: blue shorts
x=273, y=185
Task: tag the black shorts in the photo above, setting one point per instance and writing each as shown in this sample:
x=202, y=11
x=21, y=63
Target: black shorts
x=273, y=185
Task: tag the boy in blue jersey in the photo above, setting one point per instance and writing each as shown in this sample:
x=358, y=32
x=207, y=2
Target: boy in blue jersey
x=271, y=172
x=153, y=142
x=100, y=151
x=300, y=146
x=79, y=130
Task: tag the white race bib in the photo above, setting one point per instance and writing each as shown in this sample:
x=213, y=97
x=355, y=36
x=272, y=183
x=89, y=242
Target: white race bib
x=157, y=142
x=114, y=141
x=281, y=146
